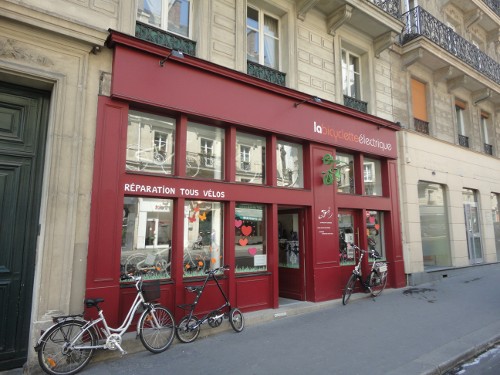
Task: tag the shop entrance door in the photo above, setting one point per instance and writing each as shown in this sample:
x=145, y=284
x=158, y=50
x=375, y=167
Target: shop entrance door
x=23, y=123
x=291, y=254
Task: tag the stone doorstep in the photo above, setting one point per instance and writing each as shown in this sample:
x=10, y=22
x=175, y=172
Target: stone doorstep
x=132, y=343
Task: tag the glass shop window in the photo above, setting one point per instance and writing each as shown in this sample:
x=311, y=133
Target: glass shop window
x=289, y=164
x=203, y=237
x=205, y=152
x=250, y=158
x=146, y=237
x=150, y=143
x=375, y=232
x=345, y=180
x=250, y=238
x=372, y=177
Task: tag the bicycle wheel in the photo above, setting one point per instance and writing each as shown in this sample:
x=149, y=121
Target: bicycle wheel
x=186, y=334
x=348, y=289
x=377, y=282
x=236, y=319
x=132, y=263
x=57, y=355
x=156, y=329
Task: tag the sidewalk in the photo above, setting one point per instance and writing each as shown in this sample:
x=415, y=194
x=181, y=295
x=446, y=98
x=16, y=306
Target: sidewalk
x=415, y=330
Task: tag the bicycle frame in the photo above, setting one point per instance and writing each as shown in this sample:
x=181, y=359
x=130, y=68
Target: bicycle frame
x=357, y=269
x=108, y=331
x=204, y=319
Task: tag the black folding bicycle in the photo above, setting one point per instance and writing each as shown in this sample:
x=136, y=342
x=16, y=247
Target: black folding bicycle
x=188, y=328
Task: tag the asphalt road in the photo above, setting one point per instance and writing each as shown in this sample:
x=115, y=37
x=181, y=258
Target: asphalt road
x=487, y=363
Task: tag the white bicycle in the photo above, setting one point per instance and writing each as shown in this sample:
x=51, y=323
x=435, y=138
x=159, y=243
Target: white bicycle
x=68, y=346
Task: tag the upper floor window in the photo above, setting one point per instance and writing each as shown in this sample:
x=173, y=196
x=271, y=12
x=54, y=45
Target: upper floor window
x=460, y=108
x=263, y=38
x=250, y=158
x=171, y=15
x=485, y=128
x=351, y=74
x=419, y=106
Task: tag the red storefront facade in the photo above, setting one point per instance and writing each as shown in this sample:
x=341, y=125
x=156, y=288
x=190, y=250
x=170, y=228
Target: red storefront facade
x=198, y=165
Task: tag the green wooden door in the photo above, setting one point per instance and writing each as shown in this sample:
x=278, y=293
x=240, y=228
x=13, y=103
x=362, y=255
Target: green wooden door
x=23, y=125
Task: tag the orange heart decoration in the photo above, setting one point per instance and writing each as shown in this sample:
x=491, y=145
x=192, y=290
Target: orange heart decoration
x=243, y=241
x=246, y=230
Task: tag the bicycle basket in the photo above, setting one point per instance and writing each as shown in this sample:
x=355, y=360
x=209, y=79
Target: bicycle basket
x=151, y=290
x=380, y=267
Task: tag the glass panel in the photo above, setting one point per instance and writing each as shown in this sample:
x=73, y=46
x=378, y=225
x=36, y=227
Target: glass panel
x=250, y=238
x=271, y=42
x=205, y=152
x=250, y=158
x=146, y=234
x=289, y=164
x=472, y=225
x=252, y=35
x=345, y=184
x=345, y=73
x=354, y=77
x=150, y=143
x=372, y=177
x=495, y=213
x=375, y=232
x=288, y=232
x=203, y=246
x=178, y=16
x=434, y=227
x=346, y=238
x=150, y=11
x=171, y=15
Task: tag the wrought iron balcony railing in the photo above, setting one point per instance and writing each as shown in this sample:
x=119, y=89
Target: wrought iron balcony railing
x=164, y=38
x=266, y=73
x=392, y=7
x=421, y=126
x=488, y=149
x=463, y=140
x=419, y=22
x=494, y=5
x=354, y=103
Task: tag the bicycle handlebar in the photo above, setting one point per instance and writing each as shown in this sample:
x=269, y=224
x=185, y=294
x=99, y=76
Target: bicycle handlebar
x=374, y=253
x=215, y=270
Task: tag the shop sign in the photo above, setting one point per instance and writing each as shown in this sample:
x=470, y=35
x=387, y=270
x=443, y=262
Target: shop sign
x=173, y=191
x=325, y=225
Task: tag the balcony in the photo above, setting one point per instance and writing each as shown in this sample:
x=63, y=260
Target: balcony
x=265, y=73
x=356, y=104
x=379, y=19
x=484, y=13
x=421, y=126
x=463, y=140
x=164, y=38
x=488, y=149
x=420, y=23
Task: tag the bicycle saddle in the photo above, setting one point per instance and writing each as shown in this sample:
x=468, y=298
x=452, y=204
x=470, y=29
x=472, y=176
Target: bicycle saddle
x=93, y=302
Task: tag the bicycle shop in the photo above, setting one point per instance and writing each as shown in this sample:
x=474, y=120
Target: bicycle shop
x=197, y=166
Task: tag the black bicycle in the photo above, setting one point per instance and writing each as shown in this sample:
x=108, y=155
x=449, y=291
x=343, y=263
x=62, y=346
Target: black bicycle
x=376, y=280
x=188, y=328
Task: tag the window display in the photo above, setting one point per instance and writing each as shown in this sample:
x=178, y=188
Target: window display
x=372, y=177
x=345, y=182
x=375, y=232
x=203, y=245
x=146, y=237
x=250, y=238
